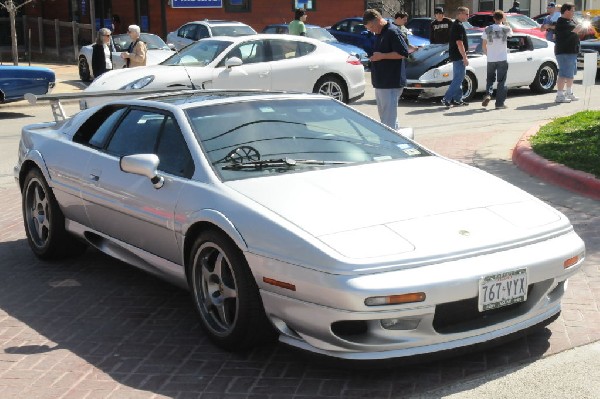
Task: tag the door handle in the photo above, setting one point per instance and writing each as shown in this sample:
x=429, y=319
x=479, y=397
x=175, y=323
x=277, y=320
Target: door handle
x=94, y=177
x=529, y=58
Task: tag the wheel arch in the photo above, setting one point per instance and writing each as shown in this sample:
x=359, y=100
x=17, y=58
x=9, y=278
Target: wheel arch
x=33, y=161
x=337, y=76
x=211, y=220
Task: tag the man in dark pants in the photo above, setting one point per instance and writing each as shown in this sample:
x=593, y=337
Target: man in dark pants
x=388, y=73
x=494, y=43
x=458, y=56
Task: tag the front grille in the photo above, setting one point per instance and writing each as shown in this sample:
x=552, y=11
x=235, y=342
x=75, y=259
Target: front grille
x=461, y=316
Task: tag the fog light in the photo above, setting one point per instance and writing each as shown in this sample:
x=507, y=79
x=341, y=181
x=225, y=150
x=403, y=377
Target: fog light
x=400, y=324
x=395, y=299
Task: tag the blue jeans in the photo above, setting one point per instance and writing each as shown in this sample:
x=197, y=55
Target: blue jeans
x=497, y=71
x=387, y=106
x=454, y=92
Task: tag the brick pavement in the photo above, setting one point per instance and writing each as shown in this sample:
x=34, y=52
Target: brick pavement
x=93, y=327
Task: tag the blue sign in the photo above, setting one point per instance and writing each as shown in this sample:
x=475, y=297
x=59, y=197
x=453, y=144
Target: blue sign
x=144, y=25
x=98, y=24
x=108, y=23
x=197, y=3
x=83, y=7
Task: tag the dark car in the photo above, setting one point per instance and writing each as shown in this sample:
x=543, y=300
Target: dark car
x=353, y=31
x=319, y=33
x=420, y=26
x=15, y=81
x=589, y=46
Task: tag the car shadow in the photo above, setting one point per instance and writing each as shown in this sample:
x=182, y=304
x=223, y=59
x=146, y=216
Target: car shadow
x=7, y=114
x=144, y=334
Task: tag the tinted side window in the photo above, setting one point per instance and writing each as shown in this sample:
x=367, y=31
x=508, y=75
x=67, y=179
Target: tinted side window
x=306, y=48
x=173, y=152
x=136, y=134
x=103, y=120
x=99, y=138
x=537, y=43
x=357, y=27
x=342, y=26
x=284, y=49
x=202, y=32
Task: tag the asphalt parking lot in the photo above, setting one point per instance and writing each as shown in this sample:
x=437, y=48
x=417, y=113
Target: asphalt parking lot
x=94, y=327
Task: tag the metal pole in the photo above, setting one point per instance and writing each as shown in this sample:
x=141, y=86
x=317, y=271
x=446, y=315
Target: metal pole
x=29, y=46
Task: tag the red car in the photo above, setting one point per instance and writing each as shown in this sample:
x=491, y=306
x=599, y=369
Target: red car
x=519, y=23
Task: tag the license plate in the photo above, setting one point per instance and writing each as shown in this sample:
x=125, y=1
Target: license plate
x=502, y=289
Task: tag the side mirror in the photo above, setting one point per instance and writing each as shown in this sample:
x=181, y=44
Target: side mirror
x=232, y=62
x=143, y=165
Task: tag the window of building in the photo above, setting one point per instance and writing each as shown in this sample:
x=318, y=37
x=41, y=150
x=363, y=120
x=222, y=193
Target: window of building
x=308, y=5
x=238, y=5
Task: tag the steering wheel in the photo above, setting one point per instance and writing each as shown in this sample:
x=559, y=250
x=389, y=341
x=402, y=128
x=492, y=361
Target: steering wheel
x=243, y=153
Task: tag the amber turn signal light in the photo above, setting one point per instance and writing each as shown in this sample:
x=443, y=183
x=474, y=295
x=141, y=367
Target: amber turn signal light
x=395, y=299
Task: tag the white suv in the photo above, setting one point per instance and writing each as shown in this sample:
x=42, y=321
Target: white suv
x=194, y=31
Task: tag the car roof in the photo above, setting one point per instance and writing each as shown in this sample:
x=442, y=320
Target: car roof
x=262, y=36
x=215, y=22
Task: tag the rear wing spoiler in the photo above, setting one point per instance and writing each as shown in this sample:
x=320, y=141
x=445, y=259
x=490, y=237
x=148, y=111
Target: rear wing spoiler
x=59, y=113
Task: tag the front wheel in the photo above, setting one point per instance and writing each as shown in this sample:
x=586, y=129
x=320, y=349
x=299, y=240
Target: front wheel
x=225, y=294
x=545, y=78
x=332, y=86
x=469, y=86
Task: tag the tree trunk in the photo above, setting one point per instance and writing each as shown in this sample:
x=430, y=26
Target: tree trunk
x=13, y=32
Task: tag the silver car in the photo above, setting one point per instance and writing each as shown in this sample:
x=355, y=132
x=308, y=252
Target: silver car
x=293, y=215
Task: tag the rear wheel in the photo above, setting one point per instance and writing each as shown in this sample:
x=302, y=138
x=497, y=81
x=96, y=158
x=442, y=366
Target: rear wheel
x=332, y=86
x=226, y=295
x=545, y=78
x=469, y=86
x=44, y=221
x=84, y=69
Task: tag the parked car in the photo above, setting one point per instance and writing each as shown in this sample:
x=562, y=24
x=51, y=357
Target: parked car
x=588, y=33
x=531, y=59
x=194, y=31
x=16, y=81
x=588, y=46
x=519, y=23
x=158, y=51
x=263, y=62
x=420, y=26
x=352, y=31
x=319, y=33
x=284, y=215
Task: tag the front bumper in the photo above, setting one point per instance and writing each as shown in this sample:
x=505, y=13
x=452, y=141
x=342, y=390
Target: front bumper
x=446, y=320
x=426, y=89
x=580, y=58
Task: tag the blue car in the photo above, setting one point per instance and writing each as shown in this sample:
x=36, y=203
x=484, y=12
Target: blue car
x=319, y=33
x=352, y=31
x=15, y=81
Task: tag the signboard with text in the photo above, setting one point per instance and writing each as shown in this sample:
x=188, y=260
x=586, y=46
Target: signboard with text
x=197, y=3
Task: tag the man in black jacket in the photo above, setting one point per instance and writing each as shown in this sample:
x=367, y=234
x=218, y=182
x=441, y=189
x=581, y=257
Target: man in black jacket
x=388, y=72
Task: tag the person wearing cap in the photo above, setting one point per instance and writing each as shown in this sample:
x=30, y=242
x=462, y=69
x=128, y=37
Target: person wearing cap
x=297, y=27
x=101, y=54
x=439, y=32
x=136, y=53
x=516, y=8
x=549, y=23
x=388, y=70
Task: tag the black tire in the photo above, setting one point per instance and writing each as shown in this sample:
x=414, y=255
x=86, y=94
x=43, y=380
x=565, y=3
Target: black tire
x=545, y=78
x=226, y=295
x=469, y=86
x=44, y=221
x=332, y=86
x=84, y=69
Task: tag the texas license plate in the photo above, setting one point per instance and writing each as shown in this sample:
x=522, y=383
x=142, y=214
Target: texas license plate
x=502, y=289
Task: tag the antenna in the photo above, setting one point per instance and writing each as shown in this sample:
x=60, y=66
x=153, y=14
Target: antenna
x=183, y=65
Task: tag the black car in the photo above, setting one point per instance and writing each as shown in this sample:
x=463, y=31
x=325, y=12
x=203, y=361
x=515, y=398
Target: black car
x=589, y=46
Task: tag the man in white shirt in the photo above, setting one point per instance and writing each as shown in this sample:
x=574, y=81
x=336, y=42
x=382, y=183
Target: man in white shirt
x=495, y=38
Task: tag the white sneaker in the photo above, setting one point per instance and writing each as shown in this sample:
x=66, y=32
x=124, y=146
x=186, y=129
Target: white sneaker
x=571, y=97
x=562, y=99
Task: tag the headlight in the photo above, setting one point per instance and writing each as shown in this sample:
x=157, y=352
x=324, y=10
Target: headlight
x=138, y=84
x=436, y=73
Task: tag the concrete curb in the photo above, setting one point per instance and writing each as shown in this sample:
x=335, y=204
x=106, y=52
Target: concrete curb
x=580, y=182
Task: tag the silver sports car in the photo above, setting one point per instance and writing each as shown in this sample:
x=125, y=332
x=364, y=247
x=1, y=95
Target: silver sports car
x=294, y=215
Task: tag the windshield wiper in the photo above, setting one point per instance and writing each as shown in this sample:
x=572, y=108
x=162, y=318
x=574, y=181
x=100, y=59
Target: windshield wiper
x=287, y=162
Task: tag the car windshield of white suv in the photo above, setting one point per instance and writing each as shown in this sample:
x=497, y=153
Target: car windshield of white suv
x=254, y=138
x=200, y=53
x=233, y=30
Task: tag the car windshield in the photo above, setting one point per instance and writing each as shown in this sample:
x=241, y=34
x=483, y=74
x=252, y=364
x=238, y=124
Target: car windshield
x=200, y=53
x=521, y=22
x=153, y=42
x=232, y=30
x=256, y=138
x=320, y=34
